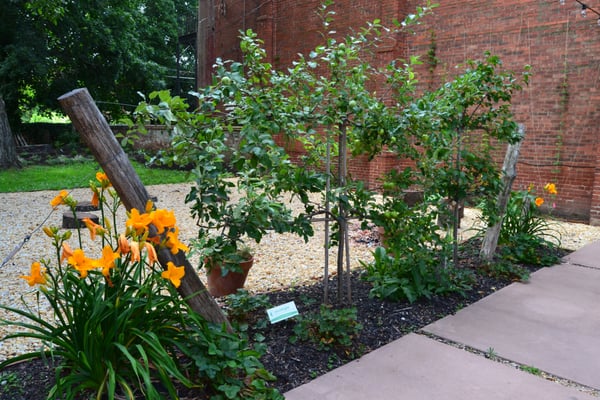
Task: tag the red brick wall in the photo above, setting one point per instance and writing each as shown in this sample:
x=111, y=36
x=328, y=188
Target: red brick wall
x=233, y=16
x=560, y=107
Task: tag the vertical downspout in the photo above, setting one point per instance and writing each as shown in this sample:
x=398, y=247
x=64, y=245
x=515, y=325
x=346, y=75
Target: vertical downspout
x=205, y=41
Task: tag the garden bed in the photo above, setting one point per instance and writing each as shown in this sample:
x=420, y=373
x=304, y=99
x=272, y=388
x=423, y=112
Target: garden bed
x=297, y=363
x=287, y=269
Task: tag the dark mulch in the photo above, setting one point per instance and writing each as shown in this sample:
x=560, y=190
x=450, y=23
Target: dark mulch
x=296, y=364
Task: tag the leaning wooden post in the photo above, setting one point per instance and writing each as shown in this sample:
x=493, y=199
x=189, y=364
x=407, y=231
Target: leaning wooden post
x=96, y=133
x=509, y=173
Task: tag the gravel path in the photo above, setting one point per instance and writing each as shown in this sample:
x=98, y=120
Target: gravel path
x=280, y=260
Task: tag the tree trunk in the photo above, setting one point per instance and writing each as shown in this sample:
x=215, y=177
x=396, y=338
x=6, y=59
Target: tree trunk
x=96, y=133
x=509, y=169
x=8, y=148
x=343, y=249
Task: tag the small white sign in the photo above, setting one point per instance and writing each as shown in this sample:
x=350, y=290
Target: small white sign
x=282, y=312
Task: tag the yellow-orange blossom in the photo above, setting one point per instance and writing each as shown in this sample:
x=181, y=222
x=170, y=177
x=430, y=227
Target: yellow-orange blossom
x=163, y=220
x=36, y=275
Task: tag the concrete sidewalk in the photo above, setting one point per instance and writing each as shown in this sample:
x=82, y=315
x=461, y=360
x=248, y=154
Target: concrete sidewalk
x=551, y=323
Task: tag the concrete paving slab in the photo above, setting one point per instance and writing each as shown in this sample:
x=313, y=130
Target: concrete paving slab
x=551, y=323
x=416, y=367
x=588, y=256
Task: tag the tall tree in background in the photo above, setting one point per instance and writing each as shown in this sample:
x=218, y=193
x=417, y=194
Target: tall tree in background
x=8, y=149
x=113, y=47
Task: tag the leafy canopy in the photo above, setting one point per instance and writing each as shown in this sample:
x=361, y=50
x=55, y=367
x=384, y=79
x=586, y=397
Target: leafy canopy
x=115, y=48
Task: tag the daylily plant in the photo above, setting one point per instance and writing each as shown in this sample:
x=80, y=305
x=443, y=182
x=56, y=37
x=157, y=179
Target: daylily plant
x=524, y=230
x=119, y=326
x=549, y=188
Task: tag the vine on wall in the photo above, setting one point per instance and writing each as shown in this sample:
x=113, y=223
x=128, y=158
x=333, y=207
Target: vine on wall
x=563, y=90
x=431, y=59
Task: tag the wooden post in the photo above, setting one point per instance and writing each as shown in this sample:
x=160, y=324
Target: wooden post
x=509, y=170
x=96, y=133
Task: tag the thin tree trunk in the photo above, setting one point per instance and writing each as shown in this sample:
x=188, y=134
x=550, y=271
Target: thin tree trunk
x=509, y=170
x=327, y=219
x=456, y=201
x=343, y=218
x=8, y=148
x=95, y=132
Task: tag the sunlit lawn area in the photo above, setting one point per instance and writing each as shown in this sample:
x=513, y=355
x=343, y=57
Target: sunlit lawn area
x=76, y=174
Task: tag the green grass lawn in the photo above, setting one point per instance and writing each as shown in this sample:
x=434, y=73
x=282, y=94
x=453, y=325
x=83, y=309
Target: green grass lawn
x=76, y=174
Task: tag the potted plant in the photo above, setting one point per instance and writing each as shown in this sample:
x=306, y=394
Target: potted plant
x=227, y=276
x=241, y=175
x=231, y=211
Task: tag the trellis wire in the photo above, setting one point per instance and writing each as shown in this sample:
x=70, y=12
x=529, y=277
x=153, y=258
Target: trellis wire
x=26, y=239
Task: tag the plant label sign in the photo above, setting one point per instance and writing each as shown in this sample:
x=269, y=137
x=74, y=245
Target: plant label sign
x=282, y=312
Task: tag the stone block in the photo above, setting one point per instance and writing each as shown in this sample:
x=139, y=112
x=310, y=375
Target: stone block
x=70, y=222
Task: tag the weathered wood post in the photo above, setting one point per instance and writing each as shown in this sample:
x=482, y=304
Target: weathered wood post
x=509, y=170
x=96, y=133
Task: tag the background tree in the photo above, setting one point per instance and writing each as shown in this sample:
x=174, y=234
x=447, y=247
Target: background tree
x=114, y=48
x=8, y=150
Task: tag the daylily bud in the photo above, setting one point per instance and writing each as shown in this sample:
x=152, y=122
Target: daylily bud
x=124, y=247
x=95, y=200
x=66, y=252
x=135, y=251
x=49, y=231
x=152, y=257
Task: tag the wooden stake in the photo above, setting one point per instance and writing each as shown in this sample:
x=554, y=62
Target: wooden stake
x=509, y=169
x=96, y=133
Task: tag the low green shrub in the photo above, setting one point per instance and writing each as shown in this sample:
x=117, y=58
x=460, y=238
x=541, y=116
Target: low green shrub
x=507, y=270
x=329, y=328
x=412, y=276
x=240, y=306
x=415, y=260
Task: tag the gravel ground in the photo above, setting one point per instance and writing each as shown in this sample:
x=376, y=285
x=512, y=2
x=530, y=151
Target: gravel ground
x=280, y=260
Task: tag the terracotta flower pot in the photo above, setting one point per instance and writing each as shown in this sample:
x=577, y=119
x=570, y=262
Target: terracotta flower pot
x=219, y=285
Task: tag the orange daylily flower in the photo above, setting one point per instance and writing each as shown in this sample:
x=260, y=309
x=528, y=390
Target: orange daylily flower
x=152, y=256
x=539, y=201
x=551, y=188
x=60, y=199
x=174, y=274
x=107, y=261
x=81, y=263
x=138, y=222
x=163, y=219
x=103, y=179
x=173, y=242
x=66, y=252
x=94, y=228
x=36, y=275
